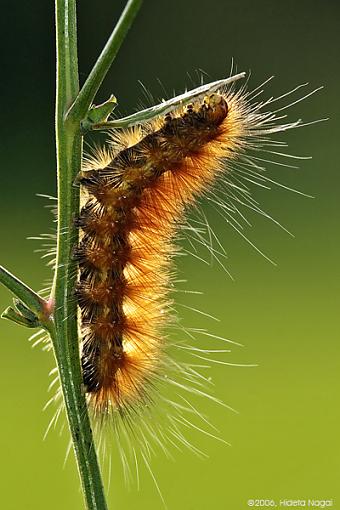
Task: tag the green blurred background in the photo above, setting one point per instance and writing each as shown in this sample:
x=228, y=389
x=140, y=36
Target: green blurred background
x=285, y=439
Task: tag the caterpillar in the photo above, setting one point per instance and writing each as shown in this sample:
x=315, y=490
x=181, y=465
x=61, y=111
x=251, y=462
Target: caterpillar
x=135, y=192
x=127, y=223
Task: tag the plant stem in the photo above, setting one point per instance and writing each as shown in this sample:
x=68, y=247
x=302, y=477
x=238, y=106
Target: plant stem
x=22, y=291
x=65, y=333
x=90, y=88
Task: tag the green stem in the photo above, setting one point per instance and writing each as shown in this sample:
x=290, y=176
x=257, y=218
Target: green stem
x=12, y=315
x=65, y=333
x=22, y=291
x=67, y=356
x=90, y=88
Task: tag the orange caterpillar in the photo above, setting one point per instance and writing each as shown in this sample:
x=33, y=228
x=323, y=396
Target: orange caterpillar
x=134, y=196
x=128, y=223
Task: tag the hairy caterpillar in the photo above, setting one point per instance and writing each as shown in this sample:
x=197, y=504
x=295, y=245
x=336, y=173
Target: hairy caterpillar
x=128, y=223
x=135, y=192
